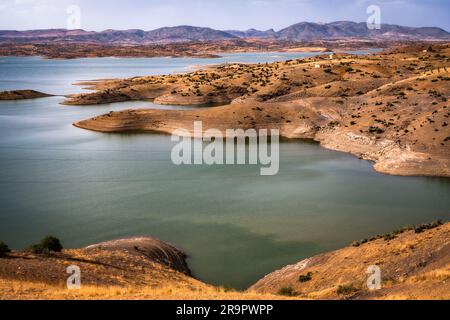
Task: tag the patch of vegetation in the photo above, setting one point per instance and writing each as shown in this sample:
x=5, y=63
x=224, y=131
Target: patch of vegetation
x=287, y=292
x=376, y=130
x=390, y=236
x=48, y=244
x=305, y=278
x=4, y=249
x=424, y=227
x=345, y=290
x=228, y=289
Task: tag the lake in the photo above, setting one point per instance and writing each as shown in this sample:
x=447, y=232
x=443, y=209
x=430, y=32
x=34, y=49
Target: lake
x=87, y=187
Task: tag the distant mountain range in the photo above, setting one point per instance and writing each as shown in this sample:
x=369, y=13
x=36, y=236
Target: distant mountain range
x=304, y=31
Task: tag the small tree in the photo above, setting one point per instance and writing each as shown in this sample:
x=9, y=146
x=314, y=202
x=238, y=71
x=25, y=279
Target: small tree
x=51, y=243
x=4, y=249
x=305, y=278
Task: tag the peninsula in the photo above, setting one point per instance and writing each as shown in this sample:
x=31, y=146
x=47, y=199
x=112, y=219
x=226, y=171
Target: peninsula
x=389, y=108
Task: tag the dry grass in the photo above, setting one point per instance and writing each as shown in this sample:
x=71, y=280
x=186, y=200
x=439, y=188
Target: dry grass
x=40, y=291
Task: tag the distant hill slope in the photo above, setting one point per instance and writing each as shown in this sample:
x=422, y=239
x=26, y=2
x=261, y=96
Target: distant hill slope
x=346, y=29
x=254, y=34
x=303, y=31
x=162, y=35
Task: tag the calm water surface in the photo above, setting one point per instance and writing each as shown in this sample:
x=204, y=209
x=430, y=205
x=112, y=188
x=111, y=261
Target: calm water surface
x=87, y=187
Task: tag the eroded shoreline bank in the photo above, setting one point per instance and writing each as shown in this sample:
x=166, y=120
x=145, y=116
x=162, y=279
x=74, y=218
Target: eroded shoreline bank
x=389, y=108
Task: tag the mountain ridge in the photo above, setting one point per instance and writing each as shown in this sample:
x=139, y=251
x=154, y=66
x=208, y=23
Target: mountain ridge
x=302, y=31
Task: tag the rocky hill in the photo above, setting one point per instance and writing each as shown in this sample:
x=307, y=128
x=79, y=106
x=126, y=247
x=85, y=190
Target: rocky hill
x=346, y=29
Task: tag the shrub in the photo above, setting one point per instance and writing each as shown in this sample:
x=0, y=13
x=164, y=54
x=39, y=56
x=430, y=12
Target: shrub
x=51, y=243
x=287, y=291
x=35, y=248
x=389, y=237
x=345, y=290
x=305, y=278
x=425, y=227
x=4, y=249
x=48, y=244
x=376, y=130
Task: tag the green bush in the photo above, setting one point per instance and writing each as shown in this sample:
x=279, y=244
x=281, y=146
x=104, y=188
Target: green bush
x=345, y=290
x=287, y=291
x=51, y=243
x=4, y=249
x=35, y=248
x=48, y=244
x=305, y=278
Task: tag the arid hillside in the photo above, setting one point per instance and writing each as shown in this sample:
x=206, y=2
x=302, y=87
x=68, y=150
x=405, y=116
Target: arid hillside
x=414, y=263
x=390, y=108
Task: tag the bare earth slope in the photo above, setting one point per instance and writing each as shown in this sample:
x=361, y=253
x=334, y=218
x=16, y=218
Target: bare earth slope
x=390, y=108
x=413, y=266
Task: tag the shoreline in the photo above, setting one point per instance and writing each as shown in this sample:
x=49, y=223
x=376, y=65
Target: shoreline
x=398, y=120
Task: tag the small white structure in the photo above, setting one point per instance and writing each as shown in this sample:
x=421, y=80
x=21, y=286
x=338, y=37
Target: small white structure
x=317, y=66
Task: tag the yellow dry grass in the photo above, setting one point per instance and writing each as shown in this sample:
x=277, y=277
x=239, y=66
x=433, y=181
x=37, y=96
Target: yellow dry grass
x=18, y=290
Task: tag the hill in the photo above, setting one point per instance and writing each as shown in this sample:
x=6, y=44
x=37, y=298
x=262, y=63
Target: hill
x=303, y=31
x=414, y=263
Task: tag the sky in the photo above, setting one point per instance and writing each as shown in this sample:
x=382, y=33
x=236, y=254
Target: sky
x=100, y=15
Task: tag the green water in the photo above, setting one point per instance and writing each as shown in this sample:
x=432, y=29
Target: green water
x=236, y=225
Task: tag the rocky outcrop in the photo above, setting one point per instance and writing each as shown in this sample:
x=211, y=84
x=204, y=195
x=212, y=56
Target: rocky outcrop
x=153, y=249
